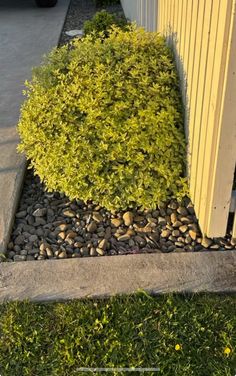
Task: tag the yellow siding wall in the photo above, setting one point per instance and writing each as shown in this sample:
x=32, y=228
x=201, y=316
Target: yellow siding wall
x=203, y=36
x=144, y=12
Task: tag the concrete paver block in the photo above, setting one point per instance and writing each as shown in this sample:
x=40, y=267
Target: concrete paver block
x=57, y=280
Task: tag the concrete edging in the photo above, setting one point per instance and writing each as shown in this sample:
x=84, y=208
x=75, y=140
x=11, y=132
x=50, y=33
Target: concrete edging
x=55, y=280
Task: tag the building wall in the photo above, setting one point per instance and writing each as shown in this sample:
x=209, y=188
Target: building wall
x=144, y=12
x=202, y=35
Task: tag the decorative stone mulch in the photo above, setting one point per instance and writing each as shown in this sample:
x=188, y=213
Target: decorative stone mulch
x=81, y=11
x=49, y=226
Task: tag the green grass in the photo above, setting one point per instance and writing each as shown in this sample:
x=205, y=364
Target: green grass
x=127, y=331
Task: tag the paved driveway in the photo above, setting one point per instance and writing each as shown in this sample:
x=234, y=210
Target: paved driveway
x=26, y=33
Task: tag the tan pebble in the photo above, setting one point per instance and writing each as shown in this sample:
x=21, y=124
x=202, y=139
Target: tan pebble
x=62, y=235
x=61, y=227
x=71, y=234
x=43, y=246
x=183, y=228
x=92, y=227
x=165, y=233
x=130, y=232
x=69, y=213
x=177, y=224
x=193, y=234
x=100, y=251
x=128, y=218
x=206, y=242
x=123, y=238
x=173, y=217
x=63, y=254
x=97, y=217
x=116, y=222
x=103, y=244
x=139, y=218
x=78, y=244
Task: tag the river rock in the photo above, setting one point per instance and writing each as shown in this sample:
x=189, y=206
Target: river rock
x=141, y=241
x=92, y=227
x=19, y=240
x=116, y=222
x=40, y=212
x=165, y=233
x=206, y=242
x=193, y=234
x=123, y=238
x=128, y=218
x=177, y=224
x=103, y=244
x=21, y=214
x=183, y=228
x=97, y=217
x=100, y=251
x=182, y=211
x=33, y=238
x=69, y=213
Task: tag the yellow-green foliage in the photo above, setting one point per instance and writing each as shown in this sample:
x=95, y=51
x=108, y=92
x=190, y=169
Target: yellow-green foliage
x=102, y=22
x=103, y=121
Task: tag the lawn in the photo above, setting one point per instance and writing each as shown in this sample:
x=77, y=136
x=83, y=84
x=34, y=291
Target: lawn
x=180, y=335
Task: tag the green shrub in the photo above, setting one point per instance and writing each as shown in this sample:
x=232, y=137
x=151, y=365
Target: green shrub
x=103, y=121
x=102, y=22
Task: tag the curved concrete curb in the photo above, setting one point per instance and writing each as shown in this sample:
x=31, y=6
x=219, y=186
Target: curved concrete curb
x=106, y=276
x=27, y=32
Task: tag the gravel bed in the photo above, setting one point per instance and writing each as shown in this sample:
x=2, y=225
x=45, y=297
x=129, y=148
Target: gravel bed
x=81, y=11
x=50, y=226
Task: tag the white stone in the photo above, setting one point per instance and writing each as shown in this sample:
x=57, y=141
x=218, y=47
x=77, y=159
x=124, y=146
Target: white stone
x=74, y=33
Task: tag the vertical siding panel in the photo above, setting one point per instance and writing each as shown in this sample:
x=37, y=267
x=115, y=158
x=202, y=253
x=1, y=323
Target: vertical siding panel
x=195, y=84
x=194, y=188
x=182, y=49
x=223, y=167
x=234, y=227
x=179, y=24
x=188, y=31
x=175, y=21
x=176, y=24
x=167, y=20
x=139, y=5
x=170, y=23
x=191, y=64
x=216, y=90
x=150, y=15
x=159, y=16
x=162, y=9
x=189, y=17
x=163, y=2
x=148, y=18
x=143, y=13
x=183, y=29
x=155, y=10
x=180, y=42
x=210, y=64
